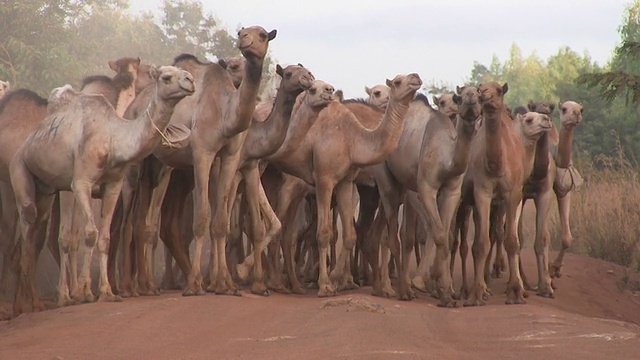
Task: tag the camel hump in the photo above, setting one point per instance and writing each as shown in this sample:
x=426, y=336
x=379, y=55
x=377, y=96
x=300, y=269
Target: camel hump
x=60, y=98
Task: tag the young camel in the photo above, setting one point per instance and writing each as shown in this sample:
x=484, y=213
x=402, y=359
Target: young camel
x=335, y=147
x=310, y=103
x=92, y=152
x=502, y=155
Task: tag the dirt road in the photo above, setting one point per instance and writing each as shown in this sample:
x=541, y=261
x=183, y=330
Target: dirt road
x=591, y=318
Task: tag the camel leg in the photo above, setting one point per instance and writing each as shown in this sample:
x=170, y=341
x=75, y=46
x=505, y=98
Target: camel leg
x=369, y=199
x=201, y=219
x=33, y=212
x=564, y=209
x=341, y=275
x=463, y=219
x=152, y=226
x=64, y=244
x=220, y=222
x=480, y=248
x=523, y=275
x=257, y=200
x=541, y=246
x=110, y=194
x=496, y=236
x=289, y=241
x=10, y=235
x=324, y=190
x=515, y=289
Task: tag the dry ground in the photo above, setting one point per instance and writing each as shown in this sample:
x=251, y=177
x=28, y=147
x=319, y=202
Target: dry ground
x=591, y=318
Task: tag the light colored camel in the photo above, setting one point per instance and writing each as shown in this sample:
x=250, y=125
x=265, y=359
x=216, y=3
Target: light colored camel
x=83, y=146
x=235, y=66
x=120, y=90
x=5, y=86
x=446, y=103
x=335, y=147
x=439, y=151
x=218, y=116
x=502, y=156
x=310, y=103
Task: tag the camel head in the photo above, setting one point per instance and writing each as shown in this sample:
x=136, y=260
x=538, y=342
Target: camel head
x=469, y=106
x=541, y=107
x=570, y=114
x=319, y=94
x=143, y=78
x=235, y=67
x=126, y=71
x=448, y=104
x=5, y=86
x=520, y=110
x=254, y=41
x=492, y=95
x=295, y=78
x=403, y=87
x=533, y=124
x=378, y=95
x=172, y=83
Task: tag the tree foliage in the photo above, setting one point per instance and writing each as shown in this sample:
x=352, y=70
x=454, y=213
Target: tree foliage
x=46, y=44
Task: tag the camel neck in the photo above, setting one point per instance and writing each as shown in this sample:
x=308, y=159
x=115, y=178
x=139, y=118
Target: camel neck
x=494, y=128
x=563, y=158
x=373, y=146
x=247, y=97
x=462, y=146
x=264, y=138
x=541, y=161
x=301, y=121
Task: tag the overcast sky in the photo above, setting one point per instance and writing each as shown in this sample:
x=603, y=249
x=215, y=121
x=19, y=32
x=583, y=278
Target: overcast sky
x=351, y=44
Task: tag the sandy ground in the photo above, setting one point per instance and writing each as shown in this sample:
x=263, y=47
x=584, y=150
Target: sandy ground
x=590, y=318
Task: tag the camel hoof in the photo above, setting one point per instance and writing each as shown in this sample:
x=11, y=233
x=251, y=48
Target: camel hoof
x=109, y=298
x=147, y=292
x=389, y=292
x=326, y=291
x=447, y=304
x=279, y=288
x=87, y=298
x=407, y=296
x=230, y=292
x=65, y=301
x=418, y=284
x=545, y=292
x=260, y=289
x=126, y=294
x=298, y=290
x=191, y=292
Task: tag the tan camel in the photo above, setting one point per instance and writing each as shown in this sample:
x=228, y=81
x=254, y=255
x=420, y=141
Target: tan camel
x=502, y=155
x=440, y=153
x=93, y=147
x=263, y=139
x=335, y=147
x=446, y=103
x=218, y=115
x=311, y=102
x=5, y=86
x=235, y=66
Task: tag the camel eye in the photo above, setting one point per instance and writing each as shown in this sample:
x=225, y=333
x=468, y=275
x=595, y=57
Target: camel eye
x=263, y=36
x=313, y=91
x=376, y=93
x=287, y=75
x=442, y=103
x=166, y=78
x=564, y=110
x=581, y=110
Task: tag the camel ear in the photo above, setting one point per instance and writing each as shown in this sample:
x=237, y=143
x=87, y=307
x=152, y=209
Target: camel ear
x=519, y=117
x=531, y=105
x=300, y=65
x=279, y=70
x=457, y=99
x=223, y=63
x=367, y=90
x=459, y=89
x=113, y=65
x=435, y=100
x=339, y=95
x=552, y=107
x=154, y=72
x=136, y=62
x=505, y=89
x=389, y=83
x=272, y=34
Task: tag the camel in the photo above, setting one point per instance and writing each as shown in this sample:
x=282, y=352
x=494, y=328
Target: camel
x=439, y=150
x=310, y=103
x=217, y=115
x=335, y=147
x=562, y=179
x=502, y=156
x=5, y=86
x=446, y=103
x=92, y=152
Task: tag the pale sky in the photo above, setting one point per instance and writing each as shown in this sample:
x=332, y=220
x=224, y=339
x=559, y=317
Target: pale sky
x=351, y=44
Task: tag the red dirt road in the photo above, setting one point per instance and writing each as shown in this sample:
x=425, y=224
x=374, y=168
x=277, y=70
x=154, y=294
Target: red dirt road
x=591, y=318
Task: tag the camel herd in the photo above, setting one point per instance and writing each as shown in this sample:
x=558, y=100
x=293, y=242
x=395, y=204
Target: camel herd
x=186, y=153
